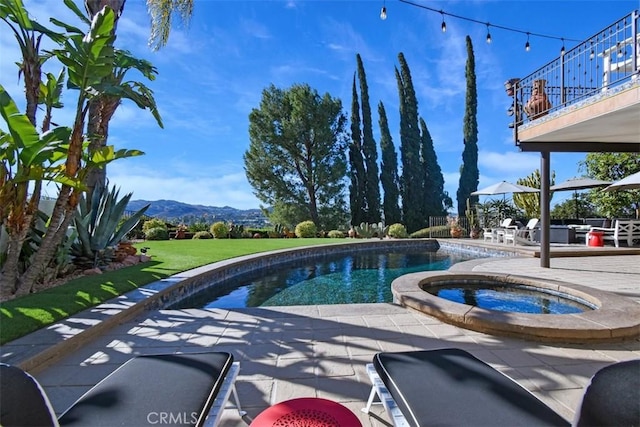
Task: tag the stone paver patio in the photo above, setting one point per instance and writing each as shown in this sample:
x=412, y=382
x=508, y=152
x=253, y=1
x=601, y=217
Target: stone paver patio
x=321, y=351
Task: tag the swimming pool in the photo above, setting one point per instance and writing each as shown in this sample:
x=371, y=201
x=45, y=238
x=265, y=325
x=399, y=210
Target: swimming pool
x=358, y=277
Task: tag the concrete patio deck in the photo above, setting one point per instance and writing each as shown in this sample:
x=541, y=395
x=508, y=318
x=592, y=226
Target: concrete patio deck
x=321, y=351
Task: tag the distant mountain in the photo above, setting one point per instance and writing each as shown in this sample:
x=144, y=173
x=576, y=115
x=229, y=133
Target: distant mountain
x=173, y=211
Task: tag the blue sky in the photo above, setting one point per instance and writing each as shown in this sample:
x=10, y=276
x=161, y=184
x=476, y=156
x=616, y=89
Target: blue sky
x=212, y=73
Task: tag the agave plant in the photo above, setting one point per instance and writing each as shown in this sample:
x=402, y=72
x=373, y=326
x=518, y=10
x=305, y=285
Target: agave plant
x=99, y=228
x=367, y=231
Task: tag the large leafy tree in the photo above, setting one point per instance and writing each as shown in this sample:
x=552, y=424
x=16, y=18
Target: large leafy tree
x=357, y=173
x=389, y=171
x=567, y=208
x=613, y=167
x=435, y=199
x=370, y=151
x=411, y=180
x=296, y=153
x=469, y=173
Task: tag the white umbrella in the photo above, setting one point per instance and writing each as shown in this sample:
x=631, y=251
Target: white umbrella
x=629, y=183
x=576, y=184
x=504, y=187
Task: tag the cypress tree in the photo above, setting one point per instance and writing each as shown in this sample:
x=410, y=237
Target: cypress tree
x=372, y=184
x=389, y=171
x=411, y=180
x=469, y=174
x=357, y=172
x=435, y=199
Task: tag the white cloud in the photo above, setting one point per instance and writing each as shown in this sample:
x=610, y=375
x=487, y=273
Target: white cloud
x=225, y=189
x=506, y=166
x=255, y=29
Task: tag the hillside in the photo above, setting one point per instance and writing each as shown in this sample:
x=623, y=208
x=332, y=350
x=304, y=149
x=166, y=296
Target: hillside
x=173, y=211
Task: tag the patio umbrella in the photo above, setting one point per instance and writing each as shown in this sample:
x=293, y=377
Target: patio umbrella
x=504, y=187
x=576, y=184
x=629, y=183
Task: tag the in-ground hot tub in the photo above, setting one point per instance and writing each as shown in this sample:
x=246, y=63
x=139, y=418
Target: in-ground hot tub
x=606, y=317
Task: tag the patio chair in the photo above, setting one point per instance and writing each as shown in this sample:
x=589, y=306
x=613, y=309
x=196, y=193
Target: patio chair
x=496, y=234
x=184, y=389
x=522, y=236
x=623, y=229
x=451, y=387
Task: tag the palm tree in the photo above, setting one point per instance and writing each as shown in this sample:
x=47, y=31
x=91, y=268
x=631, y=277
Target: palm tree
x=104, y=107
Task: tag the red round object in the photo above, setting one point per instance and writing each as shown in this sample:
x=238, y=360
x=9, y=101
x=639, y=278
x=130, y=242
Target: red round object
x=307, y=412
x=595, y=238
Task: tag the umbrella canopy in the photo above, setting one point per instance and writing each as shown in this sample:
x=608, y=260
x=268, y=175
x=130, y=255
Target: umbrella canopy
x=576, y=184
x=629, y=183
x=579, y=184
x=504, y=187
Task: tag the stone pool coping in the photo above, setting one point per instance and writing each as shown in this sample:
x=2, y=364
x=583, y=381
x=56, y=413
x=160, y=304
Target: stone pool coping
x=42, y=348
x=616, y=319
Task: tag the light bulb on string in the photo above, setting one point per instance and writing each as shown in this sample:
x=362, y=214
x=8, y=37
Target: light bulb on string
x=620, y=53
x=383, y=12
x=444, y=24
x=562, y=48
x=527, y=46
x=592, y=54
x=488, y=34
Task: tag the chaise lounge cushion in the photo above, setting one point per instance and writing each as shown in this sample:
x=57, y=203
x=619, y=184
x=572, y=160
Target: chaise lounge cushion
x=23, y=402
x=612, y=398
x=450, y=387
x=168, y=389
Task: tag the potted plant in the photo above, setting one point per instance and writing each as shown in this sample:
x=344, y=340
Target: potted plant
x=181, y=231
x=455, y=229
x=472, y=218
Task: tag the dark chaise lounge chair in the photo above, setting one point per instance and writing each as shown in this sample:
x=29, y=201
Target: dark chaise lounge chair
x=450, y=387
x=166, y=389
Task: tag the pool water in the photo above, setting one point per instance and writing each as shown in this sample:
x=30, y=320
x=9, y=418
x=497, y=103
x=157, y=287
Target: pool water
x=512, y=298
x=363, y=277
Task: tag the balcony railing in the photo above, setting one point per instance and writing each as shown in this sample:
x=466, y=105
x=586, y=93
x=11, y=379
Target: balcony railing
x=607, y=60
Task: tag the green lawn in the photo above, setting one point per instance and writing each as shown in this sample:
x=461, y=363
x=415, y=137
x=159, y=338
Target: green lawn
x=32, y=312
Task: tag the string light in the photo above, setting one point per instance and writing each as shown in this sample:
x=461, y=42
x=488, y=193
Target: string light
x=620, y=53
x=592, y=54
x=383, y=12
x=562, y=48
x=444, y=24
x=501, y=27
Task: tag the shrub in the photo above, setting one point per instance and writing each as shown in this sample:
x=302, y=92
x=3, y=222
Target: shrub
x=306, y=229
x=202, y=235
x=336, y=234
x=398, y=231
x=425, y=232
x=153, y=223
x=220, y=230
x=158, y=233
x=198, y=226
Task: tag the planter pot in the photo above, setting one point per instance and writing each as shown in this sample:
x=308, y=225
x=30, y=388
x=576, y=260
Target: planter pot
x=456, y=233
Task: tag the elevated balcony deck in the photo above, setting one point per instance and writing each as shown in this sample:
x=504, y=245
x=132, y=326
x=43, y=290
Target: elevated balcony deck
x=586, y=100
